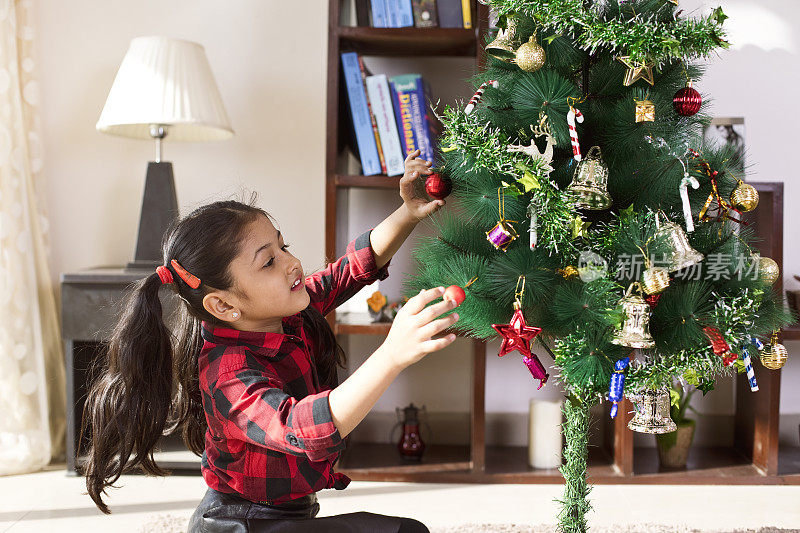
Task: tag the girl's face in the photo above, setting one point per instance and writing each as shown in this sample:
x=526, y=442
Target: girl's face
x=268, y=282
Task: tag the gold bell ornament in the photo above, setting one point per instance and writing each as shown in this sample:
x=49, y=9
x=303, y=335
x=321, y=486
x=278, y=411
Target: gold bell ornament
x=635, y=331
x=682, y=254
x=774, y=355
x=504, y=46
x=655, y=279
x=590, y=181
x=744, y=197
x=651, y=412
x=645, y=111
x=768, y=269
x=530, y=57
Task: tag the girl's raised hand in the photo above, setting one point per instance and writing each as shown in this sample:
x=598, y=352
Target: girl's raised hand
x=418, y=207
x=410, y=337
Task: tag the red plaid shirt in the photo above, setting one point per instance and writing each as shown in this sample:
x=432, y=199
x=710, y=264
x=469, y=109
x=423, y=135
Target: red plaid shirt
x=271, y=435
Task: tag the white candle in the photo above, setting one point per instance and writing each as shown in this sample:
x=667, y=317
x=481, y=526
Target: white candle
x=544, y=434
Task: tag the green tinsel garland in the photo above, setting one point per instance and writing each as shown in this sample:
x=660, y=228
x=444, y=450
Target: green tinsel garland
x=575, y=502
x=643, y=38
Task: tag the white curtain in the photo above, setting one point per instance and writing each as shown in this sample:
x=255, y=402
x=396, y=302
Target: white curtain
x=32, y=377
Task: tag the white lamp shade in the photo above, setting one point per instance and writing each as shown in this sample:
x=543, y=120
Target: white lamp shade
x=168, y=82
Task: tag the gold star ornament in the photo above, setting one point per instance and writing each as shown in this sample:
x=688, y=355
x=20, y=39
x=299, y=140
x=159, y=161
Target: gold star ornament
x=637, y=71
x=579, y=227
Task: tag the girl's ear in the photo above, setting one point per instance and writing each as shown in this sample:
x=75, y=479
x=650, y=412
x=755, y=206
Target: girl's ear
x=217, y=304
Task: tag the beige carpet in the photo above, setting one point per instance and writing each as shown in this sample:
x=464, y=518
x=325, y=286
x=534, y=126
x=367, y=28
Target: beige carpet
x=165, y=523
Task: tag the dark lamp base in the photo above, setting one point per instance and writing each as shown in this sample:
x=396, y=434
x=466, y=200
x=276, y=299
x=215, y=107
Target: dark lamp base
x=159, y=212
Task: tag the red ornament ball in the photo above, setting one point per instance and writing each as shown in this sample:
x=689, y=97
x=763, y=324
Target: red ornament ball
x=437, y=186
x=454, y=292
x=687, y=101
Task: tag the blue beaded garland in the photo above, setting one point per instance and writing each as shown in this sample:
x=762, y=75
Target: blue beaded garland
x=617, y=384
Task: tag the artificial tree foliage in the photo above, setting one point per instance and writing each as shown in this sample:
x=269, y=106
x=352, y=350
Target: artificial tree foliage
x=647, y=162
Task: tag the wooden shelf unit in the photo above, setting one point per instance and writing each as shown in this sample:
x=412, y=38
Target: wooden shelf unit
x=754, y=458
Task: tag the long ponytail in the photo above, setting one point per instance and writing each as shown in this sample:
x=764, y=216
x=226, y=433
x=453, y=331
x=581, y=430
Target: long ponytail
x=129, y=405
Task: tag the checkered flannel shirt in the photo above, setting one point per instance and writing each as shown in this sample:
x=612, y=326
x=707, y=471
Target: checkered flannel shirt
x=271, y=436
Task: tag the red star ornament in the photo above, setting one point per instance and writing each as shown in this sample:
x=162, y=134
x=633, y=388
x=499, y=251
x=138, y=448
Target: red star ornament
x=517, y=335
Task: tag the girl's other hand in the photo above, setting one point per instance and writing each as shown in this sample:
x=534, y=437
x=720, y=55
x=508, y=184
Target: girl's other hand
x=410, y=338
x=418, y=207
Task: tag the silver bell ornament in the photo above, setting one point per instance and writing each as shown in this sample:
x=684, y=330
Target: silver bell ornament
x=682, y=254
x=590, y=181
x=635, y=331
x=504, y=46
x=651, y=412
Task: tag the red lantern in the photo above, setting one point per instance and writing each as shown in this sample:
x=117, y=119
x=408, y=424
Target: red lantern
x=687, y=101
x=438, y=186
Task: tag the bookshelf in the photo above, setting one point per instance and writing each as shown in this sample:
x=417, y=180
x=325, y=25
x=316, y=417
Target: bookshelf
x=754, y=457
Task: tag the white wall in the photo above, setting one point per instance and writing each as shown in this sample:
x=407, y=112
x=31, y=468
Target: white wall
x=269, y=59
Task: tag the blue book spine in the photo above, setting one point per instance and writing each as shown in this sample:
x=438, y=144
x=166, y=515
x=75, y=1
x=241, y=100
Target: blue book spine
x=405, y=13
x=403, y=114
x=419, y=108
x=379, y=15
x=391, y=13
x=359, y=112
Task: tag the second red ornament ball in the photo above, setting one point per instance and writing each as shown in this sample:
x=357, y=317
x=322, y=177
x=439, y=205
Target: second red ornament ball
x=687, y=101
x=454, y=292
x=438, y=186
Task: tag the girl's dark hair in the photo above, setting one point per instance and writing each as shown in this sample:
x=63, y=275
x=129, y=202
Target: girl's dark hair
x=149, y=385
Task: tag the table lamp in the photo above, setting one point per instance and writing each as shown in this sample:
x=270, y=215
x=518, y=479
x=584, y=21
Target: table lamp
x=164, y=87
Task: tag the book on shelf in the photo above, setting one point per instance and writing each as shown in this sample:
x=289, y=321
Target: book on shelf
x=362, y=12
x=405, y=14
x=466, y=13
x=425, y=13
x=399, y=13
x=450, y=15
x=354, y=13
x=378, y=144
x=379, y=16
x=409, y=95
x=360, y=115
x=380, y=99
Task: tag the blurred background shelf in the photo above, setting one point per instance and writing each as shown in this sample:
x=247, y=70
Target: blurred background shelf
x=791, y=333
x=407, y=41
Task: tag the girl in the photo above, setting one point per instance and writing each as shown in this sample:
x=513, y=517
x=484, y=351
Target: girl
x=255, y=360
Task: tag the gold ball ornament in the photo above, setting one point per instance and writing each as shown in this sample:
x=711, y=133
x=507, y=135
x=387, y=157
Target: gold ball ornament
x=774, y=355
x=744, y=197
x=530, y=56
x=768, y=270
x=655, y=280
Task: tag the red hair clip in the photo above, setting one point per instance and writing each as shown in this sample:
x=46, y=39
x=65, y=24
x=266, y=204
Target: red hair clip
x=190, y=279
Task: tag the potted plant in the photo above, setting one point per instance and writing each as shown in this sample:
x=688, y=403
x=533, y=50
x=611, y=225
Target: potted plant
x=673, y=448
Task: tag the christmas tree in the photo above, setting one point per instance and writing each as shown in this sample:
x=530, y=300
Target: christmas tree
x=589, y=217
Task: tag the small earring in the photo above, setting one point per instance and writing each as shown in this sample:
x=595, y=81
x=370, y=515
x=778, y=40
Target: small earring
x=235, y=314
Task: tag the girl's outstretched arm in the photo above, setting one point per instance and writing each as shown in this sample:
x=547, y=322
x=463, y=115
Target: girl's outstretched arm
x=409, y=340
x=389, y=235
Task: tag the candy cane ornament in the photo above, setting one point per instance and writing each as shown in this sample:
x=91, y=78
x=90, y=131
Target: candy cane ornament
x=478, y=95
x=573, y=115
x=748, y=366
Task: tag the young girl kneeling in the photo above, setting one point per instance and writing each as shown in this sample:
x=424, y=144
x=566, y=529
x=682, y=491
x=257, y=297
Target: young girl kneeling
x=256, y=394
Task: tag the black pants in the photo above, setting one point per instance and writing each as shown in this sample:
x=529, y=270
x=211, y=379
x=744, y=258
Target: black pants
x=229, y=513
